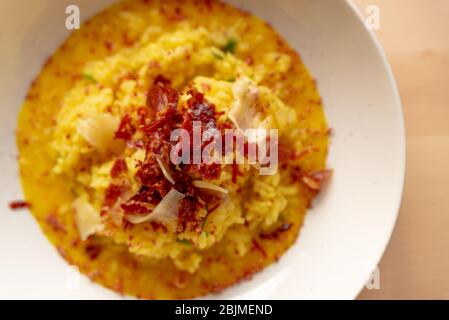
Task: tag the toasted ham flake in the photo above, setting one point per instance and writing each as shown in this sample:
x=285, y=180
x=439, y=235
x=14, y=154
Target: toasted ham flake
x=118, y=167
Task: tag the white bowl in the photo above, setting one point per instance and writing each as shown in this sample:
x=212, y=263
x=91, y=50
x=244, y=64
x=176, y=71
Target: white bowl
x=346, y=233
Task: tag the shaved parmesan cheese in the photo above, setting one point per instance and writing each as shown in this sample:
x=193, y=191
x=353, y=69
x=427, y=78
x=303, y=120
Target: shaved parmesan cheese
x=87, y=219
x=209, y=187
x=166, y=212
x=98, y=129
x=165, y=171
x=243, y=114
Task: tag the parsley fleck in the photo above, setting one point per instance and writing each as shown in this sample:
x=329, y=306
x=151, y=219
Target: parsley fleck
x=89, y=77
x=184, y=241
x=230, y=46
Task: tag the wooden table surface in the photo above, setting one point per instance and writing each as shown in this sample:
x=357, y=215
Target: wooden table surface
x=415, y=36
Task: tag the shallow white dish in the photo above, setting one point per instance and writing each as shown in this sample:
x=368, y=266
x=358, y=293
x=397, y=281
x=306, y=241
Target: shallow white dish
x=344, y=235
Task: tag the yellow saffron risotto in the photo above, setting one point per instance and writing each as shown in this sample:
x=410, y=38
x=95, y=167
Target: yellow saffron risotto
x=99, y=190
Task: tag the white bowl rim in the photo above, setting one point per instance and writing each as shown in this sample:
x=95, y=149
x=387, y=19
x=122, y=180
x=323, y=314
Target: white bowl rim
x=402, y=132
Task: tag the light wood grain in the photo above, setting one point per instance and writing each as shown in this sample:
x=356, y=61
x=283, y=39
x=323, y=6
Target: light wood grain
x=415, y=36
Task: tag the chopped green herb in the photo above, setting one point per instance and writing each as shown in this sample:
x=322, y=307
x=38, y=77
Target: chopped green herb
x=203, y=224
x=231, y=79
x=89, y=77
x=205, y=233
x=184, y=241
x=230, y=46
x=216, y=55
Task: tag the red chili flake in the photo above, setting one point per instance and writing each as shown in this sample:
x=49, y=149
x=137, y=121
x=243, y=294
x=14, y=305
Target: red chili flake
x=19, y=204
x=276, y=233
x=133, y=264
x=129, y=76
x=126, y=40
x=314, y=180
x=158, y=226
x=210, y=4
x=286, y=154
x=118, y=286
x=249, y=60
x=235, y=172
x=48, y=61
x=144, y=115
x=210, y=171
x=296, y=173
x=113, y=193
x=93, y=251
x=109, y=45
x=74, y=243
x=258, y=247
x=154, y=64
x=180, y=281
x=118, y=167
x=178, y=15
x=54, y=222
x=126, y=129
x=127, y=225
